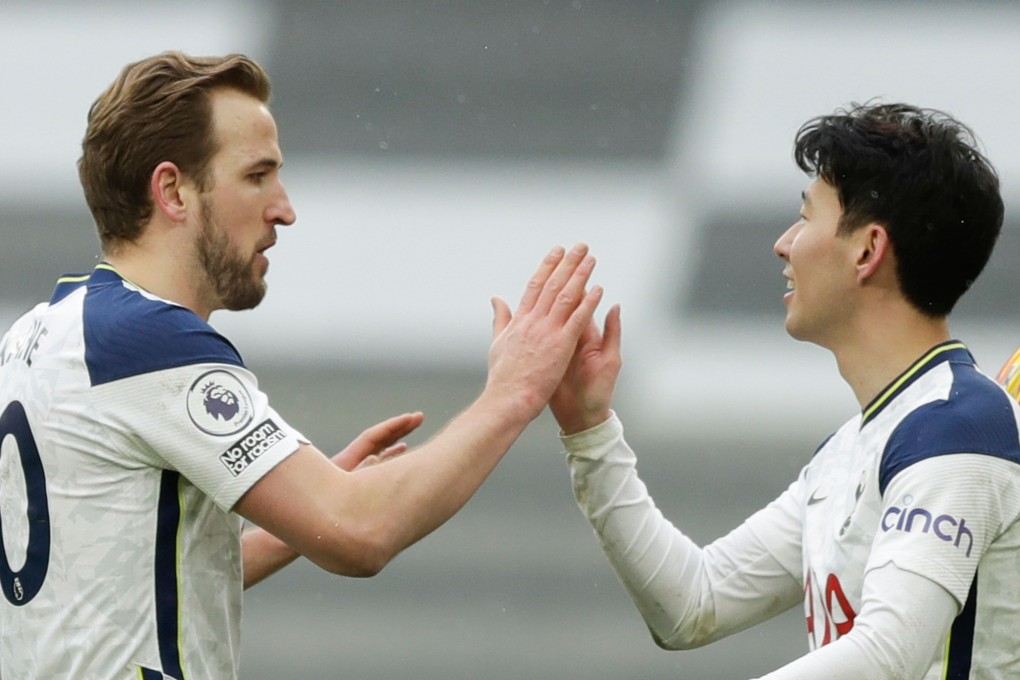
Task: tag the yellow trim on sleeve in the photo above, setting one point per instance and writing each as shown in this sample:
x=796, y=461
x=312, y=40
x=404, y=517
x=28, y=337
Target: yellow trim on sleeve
x=945, y=656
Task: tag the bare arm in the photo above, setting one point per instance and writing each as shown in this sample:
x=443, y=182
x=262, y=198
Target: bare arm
x=354, y=523
x=265, y=554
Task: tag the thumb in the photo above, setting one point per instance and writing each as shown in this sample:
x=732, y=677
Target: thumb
x=500, y=315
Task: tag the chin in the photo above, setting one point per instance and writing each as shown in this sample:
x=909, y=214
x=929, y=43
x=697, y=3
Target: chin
x=794, y=331
x=247, y=298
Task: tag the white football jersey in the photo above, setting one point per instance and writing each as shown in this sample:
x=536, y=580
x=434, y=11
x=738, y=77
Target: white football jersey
x=908, y=515
x=927, y=478
x=129, y=428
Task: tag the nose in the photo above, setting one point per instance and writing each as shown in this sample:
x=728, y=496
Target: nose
x=281, y=211
x=782, y=244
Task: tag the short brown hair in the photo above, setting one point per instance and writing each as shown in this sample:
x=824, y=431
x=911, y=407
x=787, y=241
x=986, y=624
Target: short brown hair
x=156, y=110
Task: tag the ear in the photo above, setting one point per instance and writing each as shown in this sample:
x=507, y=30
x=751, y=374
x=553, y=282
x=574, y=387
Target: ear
x=874, y=249
x=170, y=191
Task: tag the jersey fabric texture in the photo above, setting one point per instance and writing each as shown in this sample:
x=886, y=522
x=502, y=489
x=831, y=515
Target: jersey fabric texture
x=129, y=430
x=925, y=480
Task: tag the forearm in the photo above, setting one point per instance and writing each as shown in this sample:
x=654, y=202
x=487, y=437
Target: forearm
x=421, y=489
x=412, y=496
x=903, y=620
x=688, y=596
x=263, y=555
x=354, y=523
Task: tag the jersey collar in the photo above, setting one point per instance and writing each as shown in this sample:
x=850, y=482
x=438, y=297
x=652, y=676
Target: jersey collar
x=951, y=350
x=103, y=273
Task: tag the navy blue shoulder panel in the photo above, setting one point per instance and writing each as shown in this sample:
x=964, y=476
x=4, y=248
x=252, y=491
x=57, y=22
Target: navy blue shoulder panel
x=128, y=334
x=977, y=418
x=66, y=285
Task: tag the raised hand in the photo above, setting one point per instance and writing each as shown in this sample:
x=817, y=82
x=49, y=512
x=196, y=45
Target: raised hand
x=583, y=398
x=532, y=347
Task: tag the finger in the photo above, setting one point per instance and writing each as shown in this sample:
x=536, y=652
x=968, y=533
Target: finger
x=392, y=429
x=591, y=336
x=392, y=451
x=384, y=455
x=573, y=293
x=562, y=276
x=367, y=461
x=409, y=423
x=581, y=317
x=501, y=315
x=538, y=280
x=612, y=331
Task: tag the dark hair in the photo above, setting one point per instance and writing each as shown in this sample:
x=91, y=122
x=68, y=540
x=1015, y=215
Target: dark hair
x=918, y=173
x=156, y=110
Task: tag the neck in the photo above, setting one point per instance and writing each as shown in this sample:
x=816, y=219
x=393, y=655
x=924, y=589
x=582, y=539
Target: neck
x=882, y=349
x=155, y=268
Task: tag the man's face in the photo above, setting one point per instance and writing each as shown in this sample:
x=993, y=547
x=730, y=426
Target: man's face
x=237, y=280
x=819, y=269
x=242, y=203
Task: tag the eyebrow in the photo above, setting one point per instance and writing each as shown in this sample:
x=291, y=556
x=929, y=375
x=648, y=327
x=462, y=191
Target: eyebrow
x=265, y=164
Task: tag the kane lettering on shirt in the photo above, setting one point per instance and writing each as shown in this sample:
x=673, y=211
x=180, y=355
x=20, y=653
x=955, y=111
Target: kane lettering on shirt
x=129, y=428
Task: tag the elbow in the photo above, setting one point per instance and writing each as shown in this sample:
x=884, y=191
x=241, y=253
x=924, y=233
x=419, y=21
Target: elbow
x=663, y=643
x=677, y=643
x=684, y=636
x=361, y=569
x=680, y=645
x=357, y=566
x=375, y=554
x=359, y=553
x=361, y=565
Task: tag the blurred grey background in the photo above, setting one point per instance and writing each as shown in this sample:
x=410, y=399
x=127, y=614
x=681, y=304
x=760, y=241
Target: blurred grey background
x=434, y=152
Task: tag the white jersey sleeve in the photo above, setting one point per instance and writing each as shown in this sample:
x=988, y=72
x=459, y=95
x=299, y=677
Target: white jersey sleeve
x=687, y=595
x=902, y=623
x=212, y=424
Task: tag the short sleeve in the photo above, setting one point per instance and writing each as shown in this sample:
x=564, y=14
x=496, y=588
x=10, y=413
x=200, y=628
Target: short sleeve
x=210, y=422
